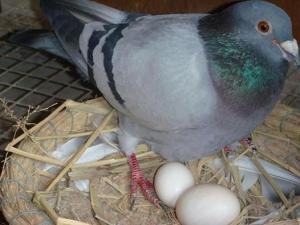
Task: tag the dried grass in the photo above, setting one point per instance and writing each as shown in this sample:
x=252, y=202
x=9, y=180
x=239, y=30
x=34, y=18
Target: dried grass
x=56, y=200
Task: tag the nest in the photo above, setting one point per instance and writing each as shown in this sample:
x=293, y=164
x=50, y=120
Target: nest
x=31, y=195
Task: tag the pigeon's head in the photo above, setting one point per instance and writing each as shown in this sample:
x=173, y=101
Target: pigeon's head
x=265, y=26
x=249, y=45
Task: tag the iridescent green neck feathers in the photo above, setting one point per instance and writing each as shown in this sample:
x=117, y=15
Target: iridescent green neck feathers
x=242, y=76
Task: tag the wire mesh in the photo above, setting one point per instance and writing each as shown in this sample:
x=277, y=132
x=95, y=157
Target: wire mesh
x=31, y=78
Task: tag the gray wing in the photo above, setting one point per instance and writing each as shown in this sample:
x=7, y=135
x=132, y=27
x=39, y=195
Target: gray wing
x=68, y=18
x=154, y=70
x=151, y=68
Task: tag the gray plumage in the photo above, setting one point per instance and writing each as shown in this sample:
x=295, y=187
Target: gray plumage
x=39, y=39
x=186, y=84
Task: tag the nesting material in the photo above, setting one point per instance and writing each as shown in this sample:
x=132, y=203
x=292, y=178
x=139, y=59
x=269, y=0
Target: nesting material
x=31, y=195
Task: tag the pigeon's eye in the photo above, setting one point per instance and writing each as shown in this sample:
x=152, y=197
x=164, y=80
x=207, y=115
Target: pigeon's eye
x=264, y=27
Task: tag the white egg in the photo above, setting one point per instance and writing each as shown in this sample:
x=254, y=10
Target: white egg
x=171, y=180
x=207, y=204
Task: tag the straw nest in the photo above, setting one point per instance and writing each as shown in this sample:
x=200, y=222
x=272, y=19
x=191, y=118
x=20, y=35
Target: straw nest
x=30, y=195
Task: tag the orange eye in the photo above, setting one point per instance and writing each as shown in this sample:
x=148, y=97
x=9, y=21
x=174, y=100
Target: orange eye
x=264, y=27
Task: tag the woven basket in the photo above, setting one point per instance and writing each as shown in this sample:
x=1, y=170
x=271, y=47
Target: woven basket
x=33, y=196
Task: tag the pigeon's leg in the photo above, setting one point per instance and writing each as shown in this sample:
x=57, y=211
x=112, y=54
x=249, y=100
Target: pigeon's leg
x=138, y=179
x=246, y=141
x=128, y=143
x=227, y=149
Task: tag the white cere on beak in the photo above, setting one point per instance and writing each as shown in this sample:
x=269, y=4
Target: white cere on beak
x=290, y=47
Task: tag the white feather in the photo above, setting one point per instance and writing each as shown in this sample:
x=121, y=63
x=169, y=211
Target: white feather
x=96, y=152
x=266, y=218
x=250, y=175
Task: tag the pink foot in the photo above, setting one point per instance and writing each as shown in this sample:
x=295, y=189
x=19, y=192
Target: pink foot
x=227, y=149
x=247, y=142
x=138, y=179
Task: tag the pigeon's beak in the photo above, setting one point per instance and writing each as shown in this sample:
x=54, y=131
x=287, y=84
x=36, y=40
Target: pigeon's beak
x=290, y=51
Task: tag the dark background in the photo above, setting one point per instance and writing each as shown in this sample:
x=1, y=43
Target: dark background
x=292, y=7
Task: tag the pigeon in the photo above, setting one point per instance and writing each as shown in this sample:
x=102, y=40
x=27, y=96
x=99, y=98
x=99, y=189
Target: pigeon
x=185, y=84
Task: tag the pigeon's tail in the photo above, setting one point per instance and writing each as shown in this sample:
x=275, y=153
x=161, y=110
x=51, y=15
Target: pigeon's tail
x=40, y=40
x=46, y=41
